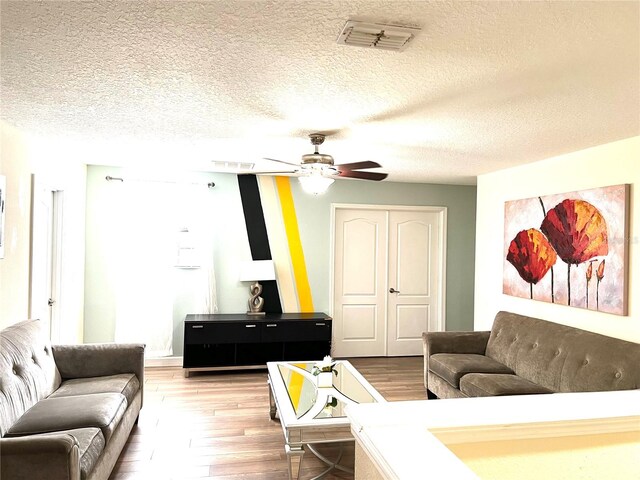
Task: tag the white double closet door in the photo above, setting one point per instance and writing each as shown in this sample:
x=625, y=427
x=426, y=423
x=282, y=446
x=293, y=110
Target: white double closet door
x=388, y=278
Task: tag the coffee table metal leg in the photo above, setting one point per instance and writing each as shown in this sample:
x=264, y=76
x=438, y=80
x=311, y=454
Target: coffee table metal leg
x=332, y=464
x=272, y=403
x=294, y=452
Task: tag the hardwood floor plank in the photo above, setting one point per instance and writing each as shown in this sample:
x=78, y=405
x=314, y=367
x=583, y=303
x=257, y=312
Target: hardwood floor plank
x=217, y=425
x=273, y=438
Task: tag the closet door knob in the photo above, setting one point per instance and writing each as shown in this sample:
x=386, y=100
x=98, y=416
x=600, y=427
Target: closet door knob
x=393, y=290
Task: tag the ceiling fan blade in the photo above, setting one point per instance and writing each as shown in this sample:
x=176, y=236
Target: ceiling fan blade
x=357, y=165
x=363, y=175
x=281, y=161
x=281, y=172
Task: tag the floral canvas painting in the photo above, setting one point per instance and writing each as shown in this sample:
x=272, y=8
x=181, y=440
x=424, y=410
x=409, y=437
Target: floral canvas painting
x=569, y=249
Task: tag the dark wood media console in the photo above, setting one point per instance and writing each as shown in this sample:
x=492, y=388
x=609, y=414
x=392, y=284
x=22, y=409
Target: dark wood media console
x=237, y=340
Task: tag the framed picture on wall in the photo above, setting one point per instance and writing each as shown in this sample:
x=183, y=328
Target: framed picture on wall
x=3, y=195
x=569, y=249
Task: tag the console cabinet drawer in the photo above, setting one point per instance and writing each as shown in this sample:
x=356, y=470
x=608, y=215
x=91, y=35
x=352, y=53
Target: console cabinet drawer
x=292, y=331
x=222, y=332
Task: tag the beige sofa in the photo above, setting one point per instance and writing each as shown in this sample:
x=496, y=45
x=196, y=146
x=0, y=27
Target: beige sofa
x=65, y=411
x=526, y=355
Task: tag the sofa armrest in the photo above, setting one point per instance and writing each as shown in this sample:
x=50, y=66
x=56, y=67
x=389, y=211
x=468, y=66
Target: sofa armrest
x=452, y=342
x=40, y=457
x=99, y=359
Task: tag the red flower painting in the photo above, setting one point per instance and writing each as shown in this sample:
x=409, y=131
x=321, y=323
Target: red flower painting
x=578, y=232
x=560, y=243
x=532, y=255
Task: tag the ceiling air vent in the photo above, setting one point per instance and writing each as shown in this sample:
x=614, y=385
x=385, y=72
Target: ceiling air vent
x=377, y=35
x=231, y=166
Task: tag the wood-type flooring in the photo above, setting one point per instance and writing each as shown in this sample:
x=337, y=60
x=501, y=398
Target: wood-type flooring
x=217, y=426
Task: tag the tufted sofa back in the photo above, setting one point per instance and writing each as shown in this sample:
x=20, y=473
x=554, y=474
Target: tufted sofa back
x=562, y=358
x=28, y=372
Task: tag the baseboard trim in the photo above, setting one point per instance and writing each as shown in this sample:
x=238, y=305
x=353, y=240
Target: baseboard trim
x=163, y=362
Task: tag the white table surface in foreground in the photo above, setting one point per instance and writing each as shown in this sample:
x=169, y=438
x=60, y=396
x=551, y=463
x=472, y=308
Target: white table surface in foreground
x=405, y=438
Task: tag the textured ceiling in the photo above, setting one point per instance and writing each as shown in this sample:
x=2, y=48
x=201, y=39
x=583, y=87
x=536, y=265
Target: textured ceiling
x=484, y=85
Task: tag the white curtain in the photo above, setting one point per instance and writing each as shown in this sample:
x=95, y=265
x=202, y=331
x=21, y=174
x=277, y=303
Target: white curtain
x=151, y=218
x=194, y=217
x=198, y=239
x=207, y=282
x=143, y=254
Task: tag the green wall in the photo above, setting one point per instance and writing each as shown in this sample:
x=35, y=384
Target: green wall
x=221, y=205
x=314, y=214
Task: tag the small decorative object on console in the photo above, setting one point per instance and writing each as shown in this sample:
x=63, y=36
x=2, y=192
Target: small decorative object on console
x=256, y=271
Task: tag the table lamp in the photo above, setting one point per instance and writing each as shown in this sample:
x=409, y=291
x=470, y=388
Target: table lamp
x=256, y=271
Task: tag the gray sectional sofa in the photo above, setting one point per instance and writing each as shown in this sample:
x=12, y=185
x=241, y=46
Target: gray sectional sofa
x=525, y=355
x=65, y=411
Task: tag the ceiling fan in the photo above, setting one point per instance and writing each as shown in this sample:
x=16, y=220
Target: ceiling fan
x=317, y=170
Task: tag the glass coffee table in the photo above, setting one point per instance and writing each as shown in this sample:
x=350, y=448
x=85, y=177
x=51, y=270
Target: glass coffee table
x=312, y=407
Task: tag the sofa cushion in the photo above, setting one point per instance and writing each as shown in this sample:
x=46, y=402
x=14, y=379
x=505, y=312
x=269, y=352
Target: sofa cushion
x=126, y=383
x=452, y=366
x=440, y=388
x=492, y=384
x=90, y=446
x=101, y=410
x=28, y=372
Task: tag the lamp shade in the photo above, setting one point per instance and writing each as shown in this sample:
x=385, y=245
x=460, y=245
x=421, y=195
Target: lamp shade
x=257, y=270
x=315, y=184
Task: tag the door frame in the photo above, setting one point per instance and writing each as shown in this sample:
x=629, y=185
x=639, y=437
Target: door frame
x=442, y=260
x=45, y=186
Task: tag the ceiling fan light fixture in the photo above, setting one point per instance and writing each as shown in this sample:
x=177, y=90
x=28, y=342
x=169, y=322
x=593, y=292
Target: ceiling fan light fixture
x=315, y=184
x=317, y=171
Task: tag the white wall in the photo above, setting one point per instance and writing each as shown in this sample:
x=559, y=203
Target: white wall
x=14, y=267
x=610, y=164
x=22, y=156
